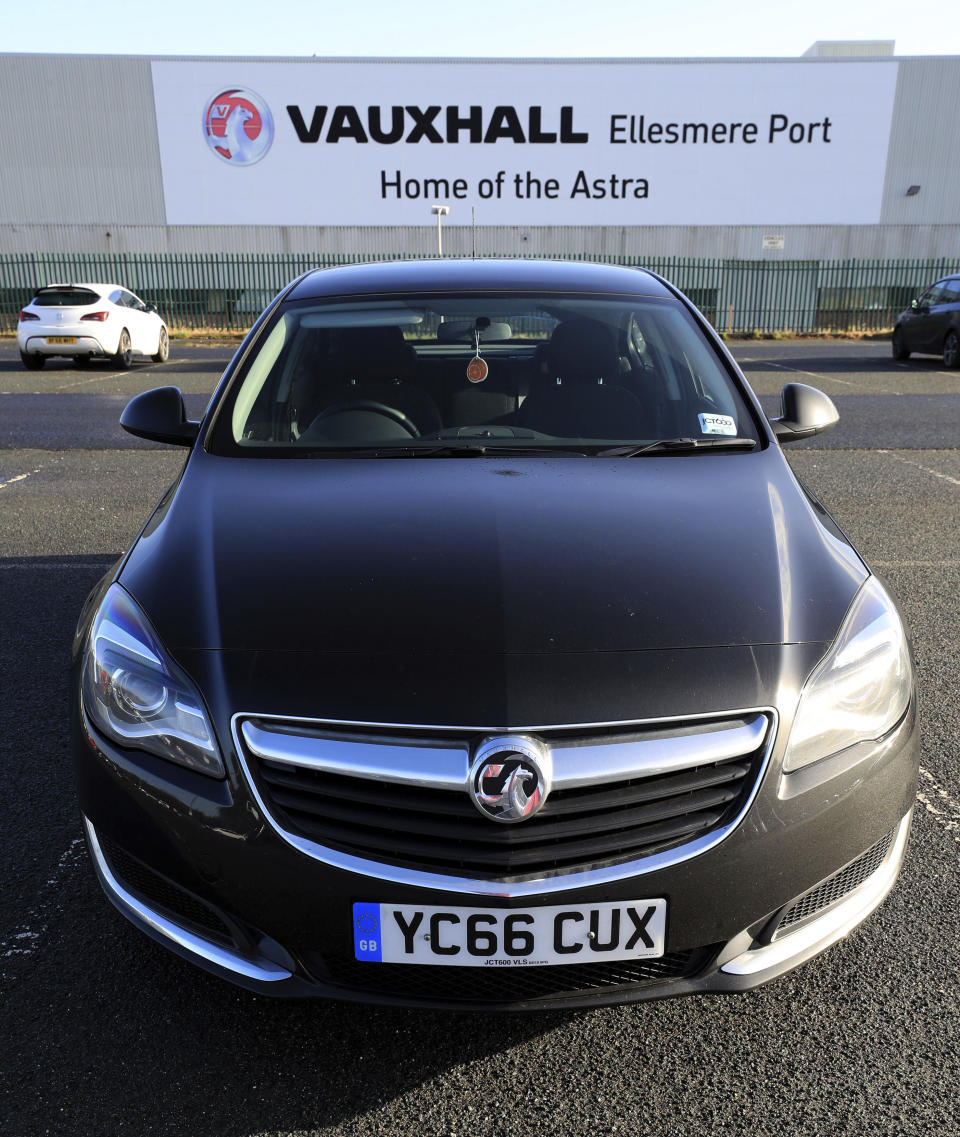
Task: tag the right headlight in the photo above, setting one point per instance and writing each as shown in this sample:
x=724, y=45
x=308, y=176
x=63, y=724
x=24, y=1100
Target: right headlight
x=134, y=692
x=860, y=689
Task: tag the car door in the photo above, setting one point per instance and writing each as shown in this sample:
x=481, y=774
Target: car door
x=919, y=327
x=152, y=323
x=937, y=321
x=949, y=304
x=140, y=324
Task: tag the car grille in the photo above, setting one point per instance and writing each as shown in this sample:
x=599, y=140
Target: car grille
x=504, y=985
x=617, y=811
x=836, y=887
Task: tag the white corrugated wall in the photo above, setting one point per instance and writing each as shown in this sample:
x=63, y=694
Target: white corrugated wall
x=837, y=242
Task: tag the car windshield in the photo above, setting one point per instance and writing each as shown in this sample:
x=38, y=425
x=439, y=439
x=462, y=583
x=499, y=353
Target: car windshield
x=478, y=374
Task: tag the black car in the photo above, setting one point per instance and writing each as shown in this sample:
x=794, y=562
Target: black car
x=931, y=325
x=487, y=653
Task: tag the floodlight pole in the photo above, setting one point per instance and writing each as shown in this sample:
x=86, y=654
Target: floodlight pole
x=440, y=211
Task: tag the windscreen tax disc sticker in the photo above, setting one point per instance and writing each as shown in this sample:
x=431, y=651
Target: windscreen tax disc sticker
x=477, y=370
x=717, y=424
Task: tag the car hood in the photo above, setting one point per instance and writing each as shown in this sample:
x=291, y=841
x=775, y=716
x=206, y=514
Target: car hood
x=490, y=556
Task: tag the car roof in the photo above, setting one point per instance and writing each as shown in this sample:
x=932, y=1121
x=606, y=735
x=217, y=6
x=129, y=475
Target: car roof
x=484, y=275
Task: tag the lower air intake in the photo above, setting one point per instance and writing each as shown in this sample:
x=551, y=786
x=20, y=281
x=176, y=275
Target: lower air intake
x=473, y=985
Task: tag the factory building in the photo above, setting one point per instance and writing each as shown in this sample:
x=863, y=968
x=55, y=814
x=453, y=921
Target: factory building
x=843, y=154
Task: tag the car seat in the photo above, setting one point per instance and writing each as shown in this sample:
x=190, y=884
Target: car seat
x=579, y=396
x=376, y=365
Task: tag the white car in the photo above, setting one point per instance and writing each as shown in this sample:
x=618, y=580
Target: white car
x=90, y=321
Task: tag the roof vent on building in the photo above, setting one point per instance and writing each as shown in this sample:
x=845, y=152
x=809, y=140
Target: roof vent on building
x=848, y=47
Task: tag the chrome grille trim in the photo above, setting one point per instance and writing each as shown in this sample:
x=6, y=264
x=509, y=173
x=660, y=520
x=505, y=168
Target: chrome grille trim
x=411, y=765
x=546, y=884
x=447, y=767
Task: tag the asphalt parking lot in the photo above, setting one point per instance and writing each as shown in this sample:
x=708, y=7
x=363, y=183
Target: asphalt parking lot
x=105, y=1033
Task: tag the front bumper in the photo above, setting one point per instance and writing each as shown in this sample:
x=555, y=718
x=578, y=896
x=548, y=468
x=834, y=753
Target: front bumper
x=194, y=864
x=743, y=963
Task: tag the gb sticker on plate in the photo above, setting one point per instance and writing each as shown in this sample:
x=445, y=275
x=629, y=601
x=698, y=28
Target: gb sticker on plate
x=717, y=424
x=366, y=932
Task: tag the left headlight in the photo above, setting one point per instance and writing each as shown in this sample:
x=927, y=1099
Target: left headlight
x=138, y=696
x=861, y=688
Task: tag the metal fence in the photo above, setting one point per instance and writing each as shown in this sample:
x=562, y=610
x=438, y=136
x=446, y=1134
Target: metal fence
x=226, y=291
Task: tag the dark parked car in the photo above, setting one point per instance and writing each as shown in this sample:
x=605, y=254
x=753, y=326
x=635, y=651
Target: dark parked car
x=487, y=652
x=931, y=325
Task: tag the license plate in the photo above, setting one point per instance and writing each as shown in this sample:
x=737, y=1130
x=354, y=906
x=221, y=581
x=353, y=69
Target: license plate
x=509, y=937
x=61, y=339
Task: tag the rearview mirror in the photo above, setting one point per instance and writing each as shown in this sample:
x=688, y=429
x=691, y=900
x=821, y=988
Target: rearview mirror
x=161, y=416
x=804, y=412
x=463, y=331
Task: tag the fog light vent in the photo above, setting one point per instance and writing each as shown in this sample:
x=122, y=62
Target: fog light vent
x=836, y=887
x=160, y=893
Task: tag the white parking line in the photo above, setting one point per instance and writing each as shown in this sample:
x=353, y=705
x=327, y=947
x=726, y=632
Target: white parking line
x=19, y=478
x=936, y=370
x=939, y=804
x=920, y=466
x=92, y=379
x=915, y=564
x=813, y=374
x=26, y=938
x=57, y=567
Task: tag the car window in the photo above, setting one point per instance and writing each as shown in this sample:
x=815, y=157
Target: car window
x=950, y=293
x=539, y=372
x=64, y=298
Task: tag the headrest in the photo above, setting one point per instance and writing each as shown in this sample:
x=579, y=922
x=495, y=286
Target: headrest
x=383, y=344
x=583, y=351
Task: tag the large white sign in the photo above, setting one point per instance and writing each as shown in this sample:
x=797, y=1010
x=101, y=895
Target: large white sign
x=365, y=143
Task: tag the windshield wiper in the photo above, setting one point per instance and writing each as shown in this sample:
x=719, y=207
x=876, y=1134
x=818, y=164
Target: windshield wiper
x=678, y=445
x=497, y=451
x=445, y=451
x=453, y=450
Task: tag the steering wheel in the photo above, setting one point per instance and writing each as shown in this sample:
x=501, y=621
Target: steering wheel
x=372, y=407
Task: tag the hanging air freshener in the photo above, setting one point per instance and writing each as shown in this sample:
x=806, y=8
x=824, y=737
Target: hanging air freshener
x=477, y=369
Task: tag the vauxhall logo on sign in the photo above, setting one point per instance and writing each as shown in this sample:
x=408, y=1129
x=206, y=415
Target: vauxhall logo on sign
x=238, y=126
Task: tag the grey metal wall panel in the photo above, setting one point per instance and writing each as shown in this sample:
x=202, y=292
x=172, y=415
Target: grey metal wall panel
x=923, y=135
x=79, y=140
x=866, y=242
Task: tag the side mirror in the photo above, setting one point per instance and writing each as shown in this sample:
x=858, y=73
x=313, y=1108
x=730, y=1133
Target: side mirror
x=161, y=416
x=914, y=305
x=149, y=307
x=804, y=412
